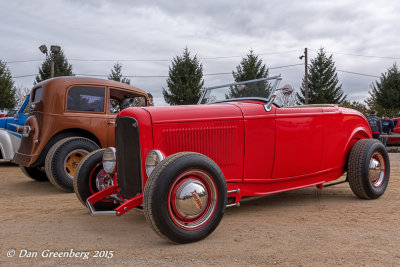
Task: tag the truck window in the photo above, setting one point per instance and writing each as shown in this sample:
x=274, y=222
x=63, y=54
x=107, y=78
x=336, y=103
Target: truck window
x=37, y=95
x=85, y=98
x=120, y=100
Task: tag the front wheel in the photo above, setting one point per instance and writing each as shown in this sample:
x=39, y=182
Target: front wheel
x=368, y=169
x=185, y=197
x=90, y=178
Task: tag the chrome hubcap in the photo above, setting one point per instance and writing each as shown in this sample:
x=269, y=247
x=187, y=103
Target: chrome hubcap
x=377, y=169
x=192, y=199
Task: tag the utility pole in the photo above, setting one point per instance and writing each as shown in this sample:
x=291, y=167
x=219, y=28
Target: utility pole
x=306, y=75
x=52, y=66
x=54, y=50
x=305, y=56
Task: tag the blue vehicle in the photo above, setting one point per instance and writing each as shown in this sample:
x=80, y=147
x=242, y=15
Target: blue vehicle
x=10, y=140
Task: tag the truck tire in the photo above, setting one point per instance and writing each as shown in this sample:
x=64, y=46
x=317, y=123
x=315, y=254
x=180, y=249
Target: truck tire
x=368, y=169
x=63, y=158
x=90, y=178
x=36, y=173
x=185, y=197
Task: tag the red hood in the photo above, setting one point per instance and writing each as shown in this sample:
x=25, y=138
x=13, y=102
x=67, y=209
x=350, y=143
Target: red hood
x=191, y=113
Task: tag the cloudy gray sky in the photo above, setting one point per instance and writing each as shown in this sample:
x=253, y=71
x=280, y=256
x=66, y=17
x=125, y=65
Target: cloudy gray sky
x=144, y=36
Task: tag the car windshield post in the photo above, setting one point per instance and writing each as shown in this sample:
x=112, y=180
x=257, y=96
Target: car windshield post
x=207, y=97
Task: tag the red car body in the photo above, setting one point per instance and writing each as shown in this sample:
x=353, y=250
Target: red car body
x=256, y=147
x=259, y=152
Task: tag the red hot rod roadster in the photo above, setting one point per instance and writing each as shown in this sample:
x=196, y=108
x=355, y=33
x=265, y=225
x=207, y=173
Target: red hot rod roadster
x=185, y=164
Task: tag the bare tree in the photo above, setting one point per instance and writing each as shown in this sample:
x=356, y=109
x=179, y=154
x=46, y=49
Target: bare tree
x=20, y=93
x=285, y=100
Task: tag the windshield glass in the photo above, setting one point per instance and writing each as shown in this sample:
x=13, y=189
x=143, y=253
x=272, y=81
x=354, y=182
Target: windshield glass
x=259, y=88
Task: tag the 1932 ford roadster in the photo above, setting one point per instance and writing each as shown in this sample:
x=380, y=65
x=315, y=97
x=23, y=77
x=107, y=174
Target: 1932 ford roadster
x=185, y=164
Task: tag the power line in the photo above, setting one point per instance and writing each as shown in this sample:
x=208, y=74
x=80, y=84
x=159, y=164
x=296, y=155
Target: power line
x=151, y=60
x=357, y=73
x=165, y=76
x=22, y=76
x=23, y=61
x=358, y=55
x=160, y=76
x=203, y=58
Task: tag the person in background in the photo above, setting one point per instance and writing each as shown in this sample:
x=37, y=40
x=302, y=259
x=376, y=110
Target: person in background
x=387, y=125
x=375, y=124
x=150, y=99
x=387, y=128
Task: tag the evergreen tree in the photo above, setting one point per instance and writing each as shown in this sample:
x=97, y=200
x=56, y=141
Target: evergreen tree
x=7, y=89
x=250, y=68
x=185, y=80
x=385, y=94
x=61, y=67
x=373, y=105
x=323, y=82
x=116, y=74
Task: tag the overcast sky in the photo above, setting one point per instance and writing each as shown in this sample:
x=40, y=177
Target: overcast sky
x=218, y=32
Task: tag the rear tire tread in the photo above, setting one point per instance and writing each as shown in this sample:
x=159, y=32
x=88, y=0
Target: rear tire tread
x=50, y=162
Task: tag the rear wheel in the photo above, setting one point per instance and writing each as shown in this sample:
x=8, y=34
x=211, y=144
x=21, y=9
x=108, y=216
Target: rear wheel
x=36, y=173
x=90, y=178
x=185, y=197
x=368, y=169
x=63, y=159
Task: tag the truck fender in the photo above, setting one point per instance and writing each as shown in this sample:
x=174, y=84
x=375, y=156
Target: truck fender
x=9, y=144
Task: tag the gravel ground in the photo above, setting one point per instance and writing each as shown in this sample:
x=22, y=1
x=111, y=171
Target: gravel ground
x=305, y=227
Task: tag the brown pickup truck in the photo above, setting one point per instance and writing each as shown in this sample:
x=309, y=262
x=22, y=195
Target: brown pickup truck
x=70, y=117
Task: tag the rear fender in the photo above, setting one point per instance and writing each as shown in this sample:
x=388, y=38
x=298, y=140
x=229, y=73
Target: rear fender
x=9, y=144
x=357, y=134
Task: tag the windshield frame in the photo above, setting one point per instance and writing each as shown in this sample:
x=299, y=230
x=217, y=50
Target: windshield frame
x=268, y=101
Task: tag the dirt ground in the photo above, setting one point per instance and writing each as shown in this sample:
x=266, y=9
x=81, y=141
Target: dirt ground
x=306, y=227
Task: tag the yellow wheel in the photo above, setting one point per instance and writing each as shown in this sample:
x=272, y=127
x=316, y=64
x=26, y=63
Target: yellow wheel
x=72, y=160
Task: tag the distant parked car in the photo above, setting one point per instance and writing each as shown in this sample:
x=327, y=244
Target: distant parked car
x=70, y=117
x=393, y=140
x=10, y=140
x=11, y=113
x=185, y=164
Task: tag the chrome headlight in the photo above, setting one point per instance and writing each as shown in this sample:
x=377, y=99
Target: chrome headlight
x=152, y=160
x=109, y=160
x=26, y=131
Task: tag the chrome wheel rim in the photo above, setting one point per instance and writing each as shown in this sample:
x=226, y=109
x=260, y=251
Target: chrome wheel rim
x=103, y=180
x=72, y=160
x=376, y=169
x=192, y=199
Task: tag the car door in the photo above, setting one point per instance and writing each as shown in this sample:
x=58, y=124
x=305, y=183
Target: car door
x=299, y=141
x=259, y=142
